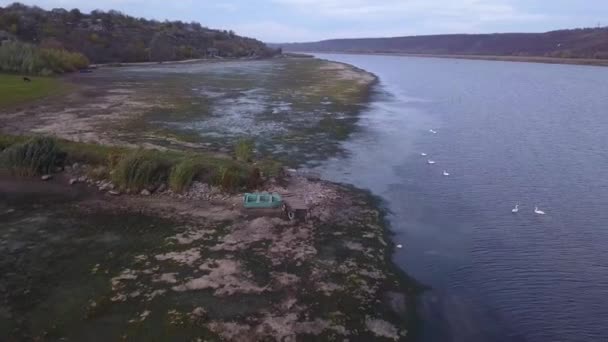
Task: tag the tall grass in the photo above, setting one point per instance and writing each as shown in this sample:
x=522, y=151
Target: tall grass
x=25, y=58
x=184, y=173
x=33, y=157
x=132, y=169
x=141, y=169
x=244, y=149
x=230, y=178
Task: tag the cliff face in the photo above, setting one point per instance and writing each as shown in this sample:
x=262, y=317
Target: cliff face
x=578, y=43
x=115, y=37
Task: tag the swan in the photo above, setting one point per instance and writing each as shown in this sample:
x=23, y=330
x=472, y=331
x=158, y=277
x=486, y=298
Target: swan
x=538, y=211
x=399, y=246
x=516, y=209
x=445, y=173
x=433, y=131
x=423, y=154
x=431, y=162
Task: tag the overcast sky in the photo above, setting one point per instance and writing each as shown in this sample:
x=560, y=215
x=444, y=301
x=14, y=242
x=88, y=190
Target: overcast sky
x=307, y=20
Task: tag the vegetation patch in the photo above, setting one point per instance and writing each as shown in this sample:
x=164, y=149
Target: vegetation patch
x=183, y=174
x=14, y=90
x=141, y=169
x=244, y=149
x=30, y=59
x=132, y=169
x=34, y=157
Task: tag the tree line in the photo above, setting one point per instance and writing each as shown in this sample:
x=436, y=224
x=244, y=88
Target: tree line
x=575, y=43
x=113, y=37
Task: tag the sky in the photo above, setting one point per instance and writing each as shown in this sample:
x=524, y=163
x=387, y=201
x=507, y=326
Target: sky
x=281, y=21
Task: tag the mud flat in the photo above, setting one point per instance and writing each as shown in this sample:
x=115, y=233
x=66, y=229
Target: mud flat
x=82, y=264
x=83, y=259
x=297, y=109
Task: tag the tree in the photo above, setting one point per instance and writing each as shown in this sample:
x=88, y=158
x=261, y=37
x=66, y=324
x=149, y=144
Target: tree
x=162, y=48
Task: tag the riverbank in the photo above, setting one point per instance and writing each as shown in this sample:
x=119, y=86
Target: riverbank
x=88, y=258
x=527, y=59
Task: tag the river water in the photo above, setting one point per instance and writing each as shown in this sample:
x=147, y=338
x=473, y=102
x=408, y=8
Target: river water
x=507, y=133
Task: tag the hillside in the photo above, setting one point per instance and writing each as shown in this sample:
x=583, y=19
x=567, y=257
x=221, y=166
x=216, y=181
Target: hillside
x=106, y=37
x=578, y=43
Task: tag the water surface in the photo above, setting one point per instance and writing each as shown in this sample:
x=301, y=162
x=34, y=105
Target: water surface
x=507, y=133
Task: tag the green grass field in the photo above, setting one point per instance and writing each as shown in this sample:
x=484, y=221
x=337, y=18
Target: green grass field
x=13, y=90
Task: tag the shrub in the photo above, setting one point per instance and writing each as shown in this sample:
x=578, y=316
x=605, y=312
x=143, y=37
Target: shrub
x=141, y=169
x=35, y=157
x=244, y=149
x=270, y=168
x=25, y=58
x=230, y=178
x=7, y=141
x=183, y=174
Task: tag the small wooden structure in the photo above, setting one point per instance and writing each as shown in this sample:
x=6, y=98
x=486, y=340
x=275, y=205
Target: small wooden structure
x=295, y=208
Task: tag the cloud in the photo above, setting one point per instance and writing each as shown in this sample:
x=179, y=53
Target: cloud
x=301, y=20
x=226, y=6
x=272, y=31
x=373, y=10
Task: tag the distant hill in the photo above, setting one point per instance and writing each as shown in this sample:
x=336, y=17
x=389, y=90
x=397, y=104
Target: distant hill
x=115, y=37
x=577, y=43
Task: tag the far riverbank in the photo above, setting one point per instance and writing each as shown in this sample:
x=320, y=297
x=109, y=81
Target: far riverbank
x=525, y=59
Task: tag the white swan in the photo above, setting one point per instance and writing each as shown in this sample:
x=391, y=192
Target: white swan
x=445, y=173
x=538, y=211
x=431, y=162
x=423, y=154
x=433, y=131
x=516, y=209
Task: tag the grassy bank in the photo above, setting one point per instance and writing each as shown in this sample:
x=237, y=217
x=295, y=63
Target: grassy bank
x=14, y=90
x=129, y=168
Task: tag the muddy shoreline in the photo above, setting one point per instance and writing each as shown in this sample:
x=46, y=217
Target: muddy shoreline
x=330, y=277
x=85, y=260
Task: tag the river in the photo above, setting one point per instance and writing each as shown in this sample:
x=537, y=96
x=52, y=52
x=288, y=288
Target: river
x=507, y=133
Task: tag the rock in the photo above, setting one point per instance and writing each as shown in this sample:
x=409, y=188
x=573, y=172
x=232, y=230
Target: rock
x=161, y=188
x=73, y=181
x=145, y=192
x=114, y=193
x=82, y=179
x=75, y=166
x=46, y=177
x=59, y=169
x=397, y=302
x=105, y=186
x=382, y=328
x=199, y=312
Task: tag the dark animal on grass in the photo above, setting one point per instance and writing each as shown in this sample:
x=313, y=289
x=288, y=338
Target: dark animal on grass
x=27, y=79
